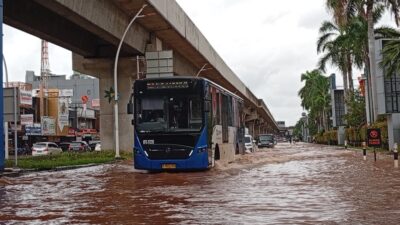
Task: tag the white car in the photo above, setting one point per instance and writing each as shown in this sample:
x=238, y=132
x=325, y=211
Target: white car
x=45, y=148
x=248, y=143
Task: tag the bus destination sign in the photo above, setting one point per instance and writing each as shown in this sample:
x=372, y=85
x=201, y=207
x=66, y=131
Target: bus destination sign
x=167, y=85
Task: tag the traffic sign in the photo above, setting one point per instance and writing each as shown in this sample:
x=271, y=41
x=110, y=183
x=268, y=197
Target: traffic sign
x=374, y=137
x=84, y=99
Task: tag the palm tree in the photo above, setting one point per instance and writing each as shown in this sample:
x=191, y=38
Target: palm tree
x=334, y=43
x=391, y=57
x=366, y=9
x=315, y=96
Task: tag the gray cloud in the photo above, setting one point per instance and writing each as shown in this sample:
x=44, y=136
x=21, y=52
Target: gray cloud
x=312, y=20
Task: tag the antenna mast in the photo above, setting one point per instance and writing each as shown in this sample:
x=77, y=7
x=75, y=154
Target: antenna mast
x=44, y=74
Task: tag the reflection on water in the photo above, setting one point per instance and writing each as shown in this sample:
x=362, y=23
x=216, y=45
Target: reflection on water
x=313, y=186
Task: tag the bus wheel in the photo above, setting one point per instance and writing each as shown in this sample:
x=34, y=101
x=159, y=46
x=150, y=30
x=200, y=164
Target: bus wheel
x=217, y=154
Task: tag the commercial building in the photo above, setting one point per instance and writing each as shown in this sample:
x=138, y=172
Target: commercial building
x=81, y=85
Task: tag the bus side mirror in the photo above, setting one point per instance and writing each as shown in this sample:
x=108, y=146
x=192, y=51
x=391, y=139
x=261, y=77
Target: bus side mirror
x=130, y=108
x=207, y=106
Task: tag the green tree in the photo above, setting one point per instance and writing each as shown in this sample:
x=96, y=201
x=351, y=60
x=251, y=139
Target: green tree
x=346, y=45
x=367, y=10
x=334, y=43
x=315, y=97
x=355, y=116
x=298, y=129
x=391, y=57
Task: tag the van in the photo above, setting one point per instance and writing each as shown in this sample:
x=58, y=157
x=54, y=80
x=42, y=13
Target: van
x=266, y=140
x=248, y=143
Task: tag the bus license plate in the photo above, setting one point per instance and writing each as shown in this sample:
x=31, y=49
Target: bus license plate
x=169, y=166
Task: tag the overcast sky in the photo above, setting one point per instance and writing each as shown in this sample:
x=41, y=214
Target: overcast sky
x=268, y=44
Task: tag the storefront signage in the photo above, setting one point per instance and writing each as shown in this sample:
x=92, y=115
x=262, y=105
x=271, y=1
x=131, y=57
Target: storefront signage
x=33, y=130
x=63, y=113
x=26, y=119
x=66, y=93
x=96, y=102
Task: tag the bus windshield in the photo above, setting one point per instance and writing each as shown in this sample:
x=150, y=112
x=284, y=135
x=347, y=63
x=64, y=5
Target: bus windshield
x=169, y=114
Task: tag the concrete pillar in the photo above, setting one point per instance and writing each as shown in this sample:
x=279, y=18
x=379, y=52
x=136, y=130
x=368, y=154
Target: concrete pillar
x=107, y=114
x=393, y=122
x=341, y=135
x=103, y=69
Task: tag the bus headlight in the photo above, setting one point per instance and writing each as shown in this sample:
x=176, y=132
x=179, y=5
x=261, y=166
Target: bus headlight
x=201, y=150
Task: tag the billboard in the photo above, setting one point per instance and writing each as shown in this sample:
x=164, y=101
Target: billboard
x=48, y=126
x=25, y=97
x=63, y=113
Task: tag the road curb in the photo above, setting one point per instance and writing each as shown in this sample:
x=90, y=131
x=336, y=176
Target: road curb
x=15, y=172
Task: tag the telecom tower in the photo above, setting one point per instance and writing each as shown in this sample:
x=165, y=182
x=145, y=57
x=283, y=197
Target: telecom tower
x=44, y=74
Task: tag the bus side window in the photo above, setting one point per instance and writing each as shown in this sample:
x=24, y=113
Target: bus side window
x=195, y=113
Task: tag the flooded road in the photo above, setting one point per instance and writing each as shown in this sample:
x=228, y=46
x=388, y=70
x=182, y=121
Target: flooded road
x=291, y=184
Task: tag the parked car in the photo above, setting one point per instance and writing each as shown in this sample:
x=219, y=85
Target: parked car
x=45, y=148
x=79, y=146
x=64, y=146
x=248, y=143
x=266, y=140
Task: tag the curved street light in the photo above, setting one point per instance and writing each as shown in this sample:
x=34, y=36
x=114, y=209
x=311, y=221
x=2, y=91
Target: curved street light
x=116, y=125
x=5, y=123
x=6, y=70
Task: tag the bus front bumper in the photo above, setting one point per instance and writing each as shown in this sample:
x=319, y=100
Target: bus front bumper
x=197, y=161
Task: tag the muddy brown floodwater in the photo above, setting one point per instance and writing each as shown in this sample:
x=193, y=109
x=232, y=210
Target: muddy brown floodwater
x=291, y=184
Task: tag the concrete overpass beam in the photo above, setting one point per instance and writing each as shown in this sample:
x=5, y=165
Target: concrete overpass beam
x=251, y=117
x=103, y=18
x=44, y=23
x=91, y=28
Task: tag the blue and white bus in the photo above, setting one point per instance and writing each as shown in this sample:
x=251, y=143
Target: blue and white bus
x=185, y=123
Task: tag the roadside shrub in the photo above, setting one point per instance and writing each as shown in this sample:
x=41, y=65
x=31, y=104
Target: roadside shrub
x=355, y=136
x=327, y=137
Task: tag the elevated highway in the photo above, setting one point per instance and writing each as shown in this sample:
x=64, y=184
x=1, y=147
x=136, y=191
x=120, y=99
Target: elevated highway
x=91, y=29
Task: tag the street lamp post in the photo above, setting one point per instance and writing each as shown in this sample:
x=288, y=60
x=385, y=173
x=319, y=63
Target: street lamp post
x=116, y=125
x=5, y=123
